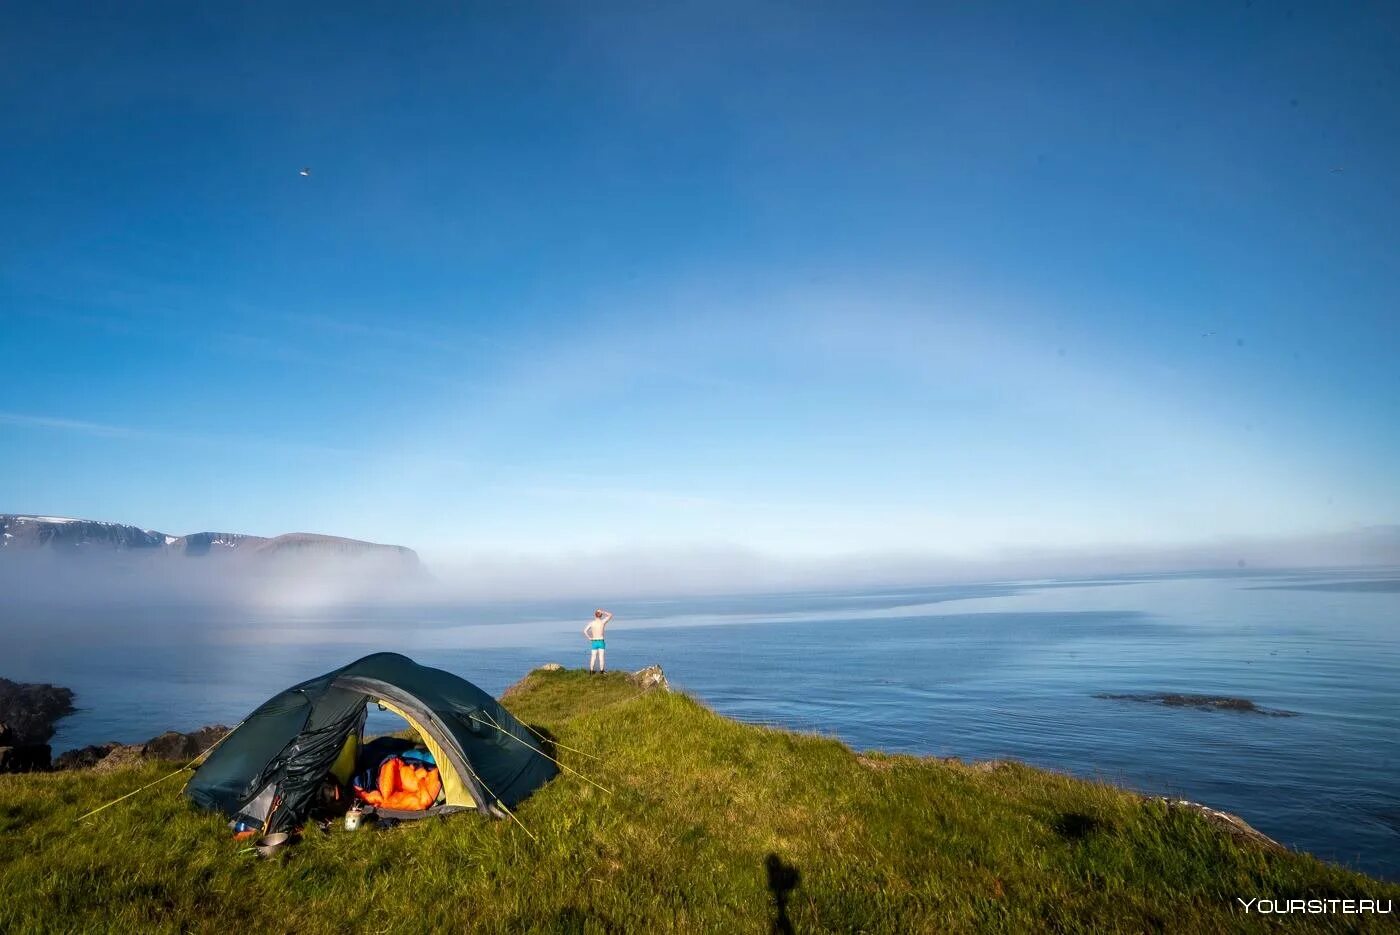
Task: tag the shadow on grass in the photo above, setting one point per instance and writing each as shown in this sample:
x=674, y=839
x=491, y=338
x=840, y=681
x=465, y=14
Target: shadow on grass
x=571, y=921
x=1075, y=826
x=783, y=878
x=544, y=740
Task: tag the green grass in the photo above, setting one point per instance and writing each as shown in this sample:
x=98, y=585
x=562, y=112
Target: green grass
x=698, y=803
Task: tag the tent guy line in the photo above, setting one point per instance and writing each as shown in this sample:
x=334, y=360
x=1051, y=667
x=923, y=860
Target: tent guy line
x=546, y=756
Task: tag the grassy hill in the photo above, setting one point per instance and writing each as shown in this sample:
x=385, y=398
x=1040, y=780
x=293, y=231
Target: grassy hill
x=707, y=820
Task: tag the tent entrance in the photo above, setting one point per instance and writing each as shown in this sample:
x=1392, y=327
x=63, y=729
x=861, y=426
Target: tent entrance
x=459, y=781
x=454, y=792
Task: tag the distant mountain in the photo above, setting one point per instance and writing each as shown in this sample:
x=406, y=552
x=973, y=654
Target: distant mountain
x=18, y=531
x=58, y=534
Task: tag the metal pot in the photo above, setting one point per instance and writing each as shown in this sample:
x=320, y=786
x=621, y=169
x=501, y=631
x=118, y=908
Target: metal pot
x=270, y=845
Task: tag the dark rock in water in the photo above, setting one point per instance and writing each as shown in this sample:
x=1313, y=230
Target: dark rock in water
x=27, y=715
x=1200, y=702
x=29, y=758
x=29, y=711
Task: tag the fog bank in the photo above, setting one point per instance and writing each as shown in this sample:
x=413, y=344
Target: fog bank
x=717, y=570
x=305, y=583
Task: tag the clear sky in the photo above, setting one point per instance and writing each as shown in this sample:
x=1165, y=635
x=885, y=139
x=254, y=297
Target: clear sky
x=800, y=278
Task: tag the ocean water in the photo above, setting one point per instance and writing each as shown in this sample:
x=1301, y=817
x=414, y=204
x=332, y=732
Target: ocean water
x=983, y=671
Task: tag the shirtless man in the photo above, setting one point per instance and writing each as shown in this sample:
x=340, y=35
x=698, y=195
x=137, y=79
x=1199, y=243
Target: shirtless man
x=594, y=631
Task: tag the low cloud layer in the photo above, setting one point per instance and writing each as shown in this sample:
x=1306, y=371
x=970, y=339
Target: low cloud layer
x=299, y=583
x=296, y=582
x=650, y=572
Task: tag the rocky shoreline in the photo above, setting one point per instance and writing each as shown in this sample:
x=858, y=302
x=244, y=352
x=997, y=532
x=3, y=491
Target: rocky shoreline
x=28, y=713
x=171, y=745
x=30, y=710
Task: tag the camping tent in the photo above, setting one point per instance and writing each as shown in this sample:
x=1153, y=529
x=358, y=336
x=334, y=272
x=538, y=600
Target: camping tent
x=269, y=770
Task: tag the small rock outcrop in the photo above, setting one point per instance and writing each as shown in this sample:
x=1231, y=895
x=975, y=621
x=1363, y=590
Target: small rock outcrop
x=651, y=677
x=121, y=755
x=878, y=761
x=171, y=745
x=83, y=757
x=1233, y=825
x=551, y=667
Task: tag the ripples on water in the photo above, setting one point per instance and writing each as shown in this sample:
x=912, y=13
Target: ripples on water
x=992, y=671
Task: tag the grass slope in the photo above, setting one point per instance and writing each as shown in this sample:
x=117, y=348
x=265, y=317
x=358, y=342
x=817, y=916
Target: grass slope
x=683, y=844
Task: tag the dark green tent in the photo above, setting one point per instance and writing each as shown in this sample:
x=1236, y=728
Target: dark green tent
x=269, y=770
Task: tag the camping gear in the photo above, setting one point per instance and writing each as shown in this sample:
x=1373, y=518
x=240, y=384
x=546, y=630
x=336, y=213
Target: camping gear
x=353, y=818
x=269, y=845
x=375, y=753
x=268, y=770
x=330, y=793
x=401, y=783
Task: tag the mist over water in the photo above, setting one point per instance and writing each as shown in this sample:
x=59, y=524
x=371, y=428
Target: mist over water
x=977, y=671
x=329, y=578
x=107, y=579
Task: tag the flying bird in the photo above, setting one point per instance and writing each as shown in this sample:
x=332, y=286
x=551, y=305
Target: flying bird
x=305, y=171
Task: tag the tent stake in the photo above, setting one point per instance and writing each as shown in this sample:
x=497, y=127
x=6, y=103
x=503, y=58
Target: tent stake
x=500, y=803
x=130, y=794
x=162, y=779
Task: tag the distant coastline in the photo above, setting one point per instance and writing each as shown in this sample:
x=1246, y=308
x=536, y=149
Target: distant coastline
x=21, y=532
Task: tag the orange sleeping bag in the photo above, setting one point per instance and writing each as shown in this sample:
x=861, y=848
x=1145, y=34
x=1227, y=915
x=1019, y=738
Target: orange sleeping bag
x=407, y=787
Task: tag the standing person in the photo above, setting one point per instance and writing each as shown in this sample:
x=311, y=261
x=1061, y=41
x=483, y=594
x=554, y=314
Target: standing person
x=594, y=631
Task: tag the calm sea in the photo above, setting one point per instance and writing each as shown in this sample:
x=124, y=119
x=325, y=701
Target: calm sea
x=986, y=671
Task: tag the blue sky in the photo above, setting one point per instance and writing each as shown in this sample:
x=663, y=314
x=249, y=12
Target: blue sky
x=801, y=279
